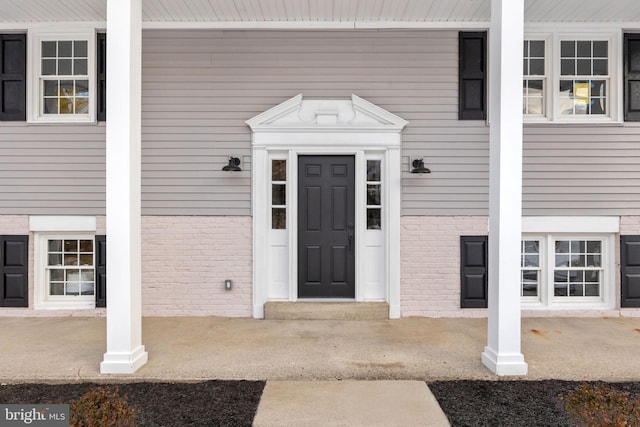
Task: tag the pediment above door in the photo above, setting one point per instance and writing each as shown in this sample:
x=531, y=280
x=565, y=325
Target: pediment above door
x=326, y=115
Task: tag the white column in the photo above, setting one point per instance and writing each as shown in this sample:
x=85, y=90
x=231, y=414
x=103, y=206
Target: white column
x=502, y=355
x=125, y=352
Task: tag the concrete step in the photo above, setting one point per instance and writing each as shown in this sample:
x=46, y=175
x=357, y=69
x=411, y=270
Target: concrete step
x=281, y=310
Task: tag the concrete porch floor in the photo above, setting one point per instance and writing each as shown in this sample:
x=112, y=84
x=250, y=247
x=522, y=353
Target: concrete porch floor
x=198, y=348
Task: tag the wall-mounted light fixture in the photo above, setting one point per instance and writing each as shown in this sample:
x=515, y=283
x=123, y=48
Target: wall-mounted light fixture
x=418, y=167
x=233, y=166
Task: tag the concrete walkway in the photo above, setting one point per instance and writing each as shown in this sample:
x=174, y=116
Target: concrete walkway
x=312, y=360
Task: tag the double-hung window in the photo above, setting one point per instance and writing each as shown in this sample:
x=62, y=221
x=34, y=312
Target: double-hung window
x=570, y=78
x=565, y=271
x=63, y=77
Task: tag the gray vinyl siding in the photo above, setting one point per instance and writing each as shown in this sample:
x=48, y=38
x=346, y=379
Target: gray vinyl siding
x=52, y=169
x=199, y=87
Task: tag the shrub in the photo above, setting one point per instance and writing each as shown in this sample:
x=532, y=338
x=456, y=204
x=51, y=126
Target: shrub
x=600, y=405
x=102, y=407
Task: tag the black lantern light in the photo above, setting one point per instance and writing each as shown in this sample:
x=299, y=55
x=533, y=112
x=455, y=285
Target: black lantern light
x=233, y=166
x=418, y=167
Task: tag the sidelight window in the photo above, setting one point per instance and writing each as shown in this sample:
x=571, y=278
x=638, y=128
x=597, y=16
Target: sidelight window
x=374, y=195
x=278, y=194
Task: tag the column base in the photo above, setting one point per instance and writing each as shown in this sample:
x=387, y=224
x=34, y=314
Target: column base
x=124, y=363
x=504, y=364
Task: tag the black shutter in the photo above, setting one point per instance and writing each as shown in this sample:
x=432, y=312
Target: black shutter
x=472, y=57
x=13, y=77
x=632, y=77
x=101, y=271
x=14, y=271
x=101, y=81
x=473, y=271
x=630, y=271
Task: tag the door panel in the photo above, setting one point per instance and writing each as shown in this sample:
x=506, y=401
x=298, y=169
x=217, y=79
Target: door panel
x=326, y=216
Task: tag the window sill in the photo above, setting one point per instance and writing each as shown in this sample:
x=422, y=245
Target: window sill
x=88, y=121
x=572, y=123
x=66, y=305
x=573, y=306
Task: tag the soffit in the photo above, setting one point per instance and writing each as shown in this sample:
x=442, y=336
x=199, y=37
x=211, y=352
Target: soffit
x=345, y=12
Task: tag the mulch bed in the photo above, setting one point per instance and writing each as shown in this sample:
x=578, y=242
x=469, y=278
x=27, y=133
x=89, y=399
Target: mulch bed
x=211, y=403
x=510, y=403
x=234, y=403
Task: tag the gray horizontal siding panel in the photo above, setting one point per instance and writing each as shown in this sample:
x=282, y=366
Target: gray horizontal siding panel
x=52, y=169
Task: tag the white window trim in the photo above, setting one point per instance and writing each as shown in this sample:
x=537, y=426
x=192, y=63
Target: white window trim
x=552, y=70
x=34, y=63
x=41, y=296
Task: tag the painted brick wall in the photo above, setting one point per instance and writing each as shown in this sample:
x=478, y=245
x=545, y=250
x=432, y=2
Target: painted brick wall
x=185, y=261
x=430, y=264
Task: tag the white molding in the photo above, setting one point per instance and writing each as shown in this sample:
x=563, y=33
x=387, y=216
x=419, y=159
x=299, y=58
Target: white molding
x=62, y=223
x=571, y=224
x=124, y=362
x=316, y=127
x=317, y=25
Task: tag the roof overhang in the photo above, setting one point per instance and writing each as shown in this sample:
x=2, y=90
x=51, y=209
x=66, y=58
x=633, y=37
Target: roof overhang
x=318, y=14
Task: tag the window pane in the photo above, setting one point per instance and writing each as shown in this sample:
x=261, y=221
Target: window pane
x=49, y=49
x=70, y=260
x=537, y=49
x=278, y=170
x=51, y=106
x=584, y=49
x=86, y=288
x=65, y=49
x=373, y=170
x=49, y=67
x=50, y=87
x=56, y=289
x=526, y=48
x=71, y=246
x=278, y=194
x=529, y=283
x=536, y=67
x=82, y=106
x=73, y=288
x=55, y=259
x=594, y=246
x=66, y=88
x=593, y=261
x=576, y=290
x=562, y=260
x=600, y=49
x=567, y=48
x=64, y=67
x=86, y=245
x=562, y=246
x=55, y=245
x=560, y=290
x=278, y=218
x=584, y=67
x=373, y=219
x=82, y=88
x=79, y=67
x=568, y=67
x=86, y=259
x=600, y=67
x=66, y=106
x=531, y=261
x=86, y=275
x=373, y=194
x=56, y=275
x=577, y=246
x=592, y=290
x=531, y=246
x=80, y=48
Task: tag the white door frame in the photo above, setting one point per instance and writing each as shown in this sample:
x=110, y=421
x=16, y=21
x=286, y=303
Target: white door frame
x=320, y=127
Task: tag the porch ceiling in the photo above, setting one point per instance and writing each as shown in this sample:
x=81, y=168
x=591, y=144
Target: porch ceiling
x=319, y=13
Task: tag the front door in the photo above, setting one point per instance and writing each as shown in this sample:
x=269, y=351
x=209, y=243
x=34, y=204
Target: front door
x=326, y=214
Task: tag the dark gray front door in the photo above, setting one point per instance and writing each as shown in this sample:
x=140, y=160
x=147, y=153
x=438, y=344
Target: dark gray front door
x=326, y=213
